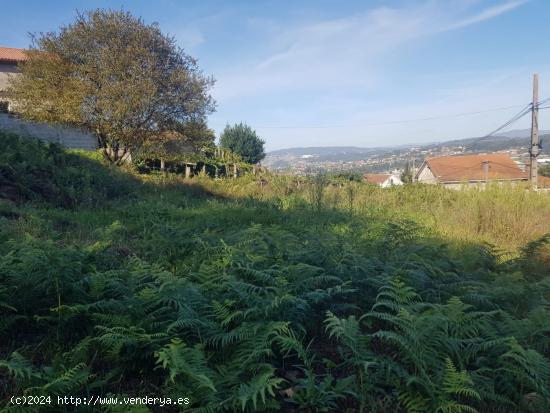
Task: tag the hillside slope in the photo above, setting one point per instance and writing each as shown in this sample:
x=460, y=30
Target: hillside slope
x=239, y=297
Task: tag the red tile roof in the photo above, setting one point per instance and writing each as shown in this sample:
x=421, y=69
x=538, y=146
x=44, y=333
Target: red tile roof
x=10, y=54
x=543, y=182
x=461, y=168
x=376, y=178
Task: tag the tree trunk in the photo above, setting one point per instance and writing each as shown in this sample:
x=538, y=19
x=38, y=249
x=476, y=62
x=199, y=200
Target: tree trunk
x=235, y=173
x=187, y=171
x=111, y=154
x=162, y=168
x=122, y=157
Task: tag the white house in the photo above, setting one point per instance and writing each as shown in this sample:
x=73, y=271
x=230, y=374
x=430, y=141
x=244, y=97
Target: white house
x=383, y=180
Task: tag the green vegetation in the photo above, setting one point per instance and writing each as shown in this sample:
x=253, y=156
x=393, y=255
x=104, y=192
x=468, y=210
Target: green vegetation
x=243, y=141
x=119, y=78
x=408, y=173
x=296, y=296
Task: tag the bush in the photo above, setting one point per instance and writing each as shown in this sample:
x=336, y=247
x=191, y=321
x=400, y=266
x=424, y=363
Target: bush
x=32, y=170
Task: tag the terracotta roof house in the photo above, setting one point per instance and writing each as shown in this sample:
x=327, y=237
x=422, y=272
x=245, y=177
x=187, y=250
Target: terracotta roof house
x=9, y=59
x=382, y=180
x=12, y=54
x=457, y=170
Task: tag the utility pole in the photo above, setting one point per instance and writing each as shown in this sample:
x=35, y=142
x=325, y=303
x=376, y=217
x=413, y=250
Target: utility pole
x=534, y=148
x=486, y=172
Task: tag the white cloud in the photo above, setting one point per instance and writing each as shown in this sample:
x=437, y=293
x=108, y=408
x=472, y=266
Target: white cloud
x=348, y=52
x=334, y=53
x=487, y=14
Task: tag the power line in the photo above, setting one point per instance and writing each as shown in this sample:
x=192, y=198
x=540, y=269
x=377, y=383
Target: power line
x=455, y=115
x=526, y=109
x=514, y=119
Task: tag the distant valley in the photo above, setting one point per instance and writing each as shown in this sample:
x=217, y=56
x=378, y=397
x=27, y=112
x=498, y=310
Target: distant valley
x=379, y=159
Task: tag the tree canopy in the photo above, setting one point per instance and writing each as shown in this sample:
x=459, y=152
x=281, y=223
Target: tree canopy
x=114, y=75
x=242, y=140
x=184, y=142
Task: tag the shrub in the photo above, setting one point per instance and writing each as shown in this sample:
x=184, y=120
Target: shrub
x=32, y=170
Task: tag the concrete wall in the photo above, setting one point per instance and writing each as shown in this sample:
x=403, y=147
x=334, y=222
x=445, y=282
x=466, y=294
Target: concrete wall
x=481, y=185
x=70, y=138
x=7, y=72
x=426, y=176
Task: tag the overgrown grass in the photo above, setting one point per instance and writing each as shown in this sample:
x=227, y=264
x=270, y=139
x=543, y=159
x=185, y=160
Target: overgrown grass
x=278, y=298
x=506, y=216
x=30, y=170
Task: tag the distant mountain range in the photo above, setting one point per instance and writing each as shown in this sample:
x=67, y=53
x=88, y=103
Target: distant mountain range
x=328, y=152
x=521, y=133
x=515, y=139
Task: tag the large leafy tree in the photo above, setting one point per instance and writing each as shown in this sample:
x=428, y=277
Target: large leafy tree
x=242, y=140
x=114, y=75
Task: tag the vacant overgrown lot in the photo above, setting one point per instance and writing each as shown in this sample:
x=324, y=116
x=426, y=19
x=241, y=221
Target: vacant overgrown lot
x=308, y=296
x=505, y=216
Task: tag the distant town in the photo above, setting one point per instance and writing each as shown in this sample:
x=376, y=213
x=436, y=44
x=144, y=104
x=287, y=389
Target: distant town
x=304, y=161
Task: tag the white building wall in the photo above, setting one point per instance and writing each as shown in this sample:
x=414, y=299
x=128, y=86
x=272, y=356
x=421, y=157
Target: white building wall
x=393, y=180
x=426, y=176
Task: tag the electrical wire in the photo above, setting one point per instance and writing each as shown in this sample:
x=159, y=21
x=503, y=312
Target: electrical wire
x=526, y=109
x=455, y=115
x=514, y=119
x=518, y=116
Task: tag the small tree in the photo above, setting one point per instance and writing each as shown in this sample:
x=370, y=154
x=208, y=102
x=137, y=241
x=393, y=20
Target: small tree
x=115, y=76
x=242, y=140
x=544, y=170
x=407, y=175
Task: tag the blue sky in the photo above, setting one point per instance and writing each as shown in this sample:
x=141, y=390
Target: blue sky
x=321, y=73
